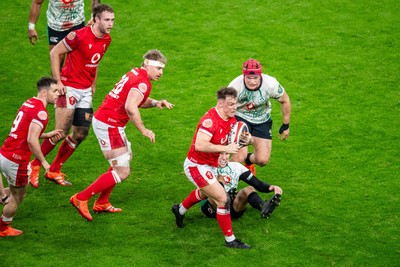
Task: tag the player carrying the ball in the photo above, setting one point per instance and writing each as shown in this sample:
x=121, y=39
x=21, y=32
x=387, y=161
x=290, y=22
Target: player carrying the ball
x=200, y=166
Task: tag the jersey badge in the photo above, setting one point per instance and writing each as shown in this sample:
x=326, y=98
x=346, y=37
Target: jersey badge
x=280, y=89
x=227, y=179
x=250, y=106
x=42, y=115
x=207, y=123
x=71, y=36
x=142, y=87
x=209, y=175
x=72, y=100
x=88, y=116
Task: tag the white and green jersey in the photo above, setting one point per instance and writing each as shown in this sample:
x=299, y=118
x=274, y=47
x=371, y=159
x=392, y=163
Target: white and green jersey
x=65, y=14
x=231, y=174
x=254, y=106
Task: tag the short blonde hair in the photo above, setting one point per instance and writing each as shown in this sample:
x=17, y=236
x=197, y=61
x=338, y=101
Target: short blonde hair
x=156, y=55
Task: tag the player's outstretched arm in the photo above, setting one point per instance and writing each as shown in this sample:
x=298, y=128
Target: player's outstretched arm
x=259, y=185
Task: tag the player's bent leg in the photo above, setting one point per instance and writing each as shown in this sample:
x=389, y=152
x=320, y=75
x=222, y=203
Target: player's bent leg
x=240, y=201
x=64, y=118
x=17, y=194
x=262, y=151
x=240, y=156
x=121, y=169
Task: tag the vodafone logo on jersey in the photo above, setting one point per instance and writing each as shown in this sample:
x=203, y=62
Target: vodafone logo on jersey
x=66, y=2
x=96, y=57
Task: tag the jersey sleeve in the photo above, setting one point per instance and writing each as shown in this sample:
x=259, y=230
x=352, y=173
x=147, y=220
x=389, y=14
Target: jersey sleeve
x=207, y=125
x=275, y=89
x=41, y=118
x=71, y=41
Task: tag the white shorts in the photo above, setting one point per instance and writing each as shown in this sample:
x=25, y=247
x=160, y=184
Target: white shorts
x=109, y=137
x=16, y=174
x=75, y=98
x=200, y=175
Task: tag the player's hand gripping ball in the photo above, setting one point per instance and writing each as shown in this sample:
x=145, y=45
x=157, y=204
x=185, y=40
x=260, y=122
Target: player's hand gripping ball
x=239, y=134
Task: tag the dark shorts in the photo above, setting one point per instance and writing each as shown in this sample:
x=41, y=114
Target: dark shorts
x=55, y=36
x=263, y=130
x=209, y=211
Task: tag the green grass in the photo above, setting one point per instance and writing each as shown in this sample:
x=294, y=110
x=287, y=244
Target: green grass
x=339, y=62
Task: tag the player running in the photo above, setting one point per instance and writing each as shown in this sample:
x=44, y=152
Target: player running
x=255, y=90
x=200, y=166
x=120, y=107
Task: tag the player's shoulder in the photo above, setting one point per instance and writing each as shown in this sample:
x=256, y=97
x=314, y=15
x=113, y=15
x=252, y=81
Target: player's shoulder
x=237, y=82
x=269, y=79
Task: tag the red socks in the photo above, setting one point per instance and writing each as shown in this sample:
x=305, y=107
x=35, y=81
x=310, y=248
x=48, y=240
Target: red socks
x=224, y=221
x=103, y=183
x=64, y=152
x=193, y=198
x=47, y=147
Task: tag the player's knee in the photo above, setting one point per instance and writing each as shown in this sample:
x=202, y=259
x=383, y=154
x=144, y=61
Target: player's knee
x=248, y=190
x=17, y=198
x=80, y=136
x=222, y=200
x=121, y=165
x=262, y=162
x=123, y=173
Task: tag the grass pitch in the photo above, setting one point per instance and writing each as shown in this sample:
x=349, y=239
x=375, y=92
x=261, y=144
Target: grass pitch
x=338, y=61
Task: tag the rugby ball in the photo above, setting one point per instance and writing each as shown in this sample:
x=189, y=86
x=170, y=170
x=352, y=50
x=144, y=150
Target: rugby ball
x=236, y=131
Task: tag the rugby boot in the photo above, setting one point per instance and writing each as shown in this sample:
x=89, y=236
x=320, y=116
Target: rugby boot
x=34, y=178
x=270, y=205
x=82, y=207
x=57, y=177
x=9, y=231
x=237, y=244
x=107, y=207
x=178, y=217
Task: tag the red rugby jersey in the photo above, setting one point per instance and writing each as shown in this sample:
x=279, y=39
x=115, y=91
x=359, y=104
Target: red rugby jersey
x=86, y=51
x=15, y=147
x=112, y=110
x=218, y=128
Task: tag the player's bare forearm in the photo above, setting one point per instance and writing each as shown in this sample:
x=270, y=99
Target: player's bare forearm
x=286, y=108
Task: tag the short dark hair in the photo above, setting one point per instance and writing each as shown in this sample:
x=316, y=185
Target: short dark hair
x=97, y=10
x=45, y=83
x=224, y=92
